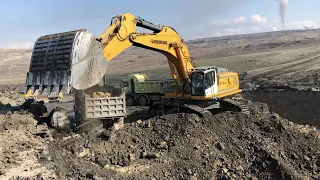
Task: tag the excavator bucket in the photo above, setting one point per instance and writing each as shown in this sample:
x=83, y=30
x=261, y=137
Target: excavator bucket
x=63, y=61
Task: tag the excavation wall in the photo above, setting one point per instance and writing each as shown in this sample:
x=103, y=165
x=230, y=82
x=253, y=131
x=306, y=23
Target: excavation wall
x=301, y=107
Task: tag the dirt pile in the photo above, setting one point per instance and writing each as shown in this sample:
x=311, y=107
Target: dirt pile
x=223, y=146
x=9, y=99
x=23, y=142
x=103, y=91
x=101, y=95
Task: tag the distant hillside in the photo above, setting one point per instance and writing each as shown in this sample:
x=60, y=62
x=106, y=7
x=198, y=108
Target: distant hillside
x=15, y=63
x=311, y=33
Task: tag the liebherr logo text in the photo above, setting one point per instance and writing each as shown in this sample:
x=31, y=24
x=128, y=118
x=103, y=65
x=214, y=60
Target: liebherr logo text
x=158, y=42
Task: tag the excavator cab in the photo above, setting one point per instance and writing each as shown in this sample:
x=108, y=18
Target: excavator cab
x=203, y=82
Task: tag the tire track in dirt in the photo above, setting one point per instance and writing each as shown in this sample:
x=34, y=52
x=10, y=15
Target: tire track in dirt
x=295, y=65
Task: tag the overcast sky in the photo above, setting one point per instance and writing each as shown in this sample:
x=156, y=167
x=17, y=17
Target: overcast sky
x=23, y=21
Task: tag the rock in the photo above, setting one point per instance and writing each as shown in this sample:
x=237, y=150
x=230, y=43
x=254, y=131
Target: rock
x=306, y=158
x=97, y=178
x=2, y=172
x=193, y=178
x=125, y=163
x=315, y=89
x=144, y=154
x=225, y=170
x=295, y=156
x=89, y=176
x=152, y=155
x=220, y=146
x=275, y=116
x=11, y=160
x=239, y=168
x=45, y=152
x=162, y=145
x=253, y=178
x=14, y=151
x=132, y=157
x=196, y=147
x=189, y=171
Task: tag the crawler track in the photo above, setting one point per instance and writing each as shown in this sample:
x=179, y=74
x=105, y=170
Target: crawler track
x=222, y=106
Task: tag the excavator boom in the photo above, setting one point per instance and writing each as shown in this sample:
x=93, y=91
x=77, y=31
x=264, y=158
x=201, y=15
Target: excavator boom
x=122, y=34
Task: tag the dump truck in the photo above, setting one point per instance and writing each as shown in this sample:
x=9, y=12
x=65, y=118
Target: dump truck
x=140, y=90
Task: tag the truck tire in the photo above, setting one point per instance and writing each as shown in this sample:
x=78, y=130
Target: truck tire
x=130, y=101
x=143, y=101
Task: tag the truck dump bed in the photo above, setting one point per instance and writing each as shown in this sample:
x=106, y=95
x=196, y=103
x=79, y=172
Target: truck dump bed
x=149, y=86
x=89, y=106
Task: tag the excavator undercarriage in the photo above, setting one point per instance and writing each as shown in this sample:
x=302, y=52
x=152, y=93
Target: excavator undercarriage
x=200, y=108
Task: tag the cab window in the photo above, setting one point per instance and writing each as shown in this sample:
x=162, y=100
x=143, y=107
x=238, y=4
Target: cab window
x=209, y=79
x=197, y=84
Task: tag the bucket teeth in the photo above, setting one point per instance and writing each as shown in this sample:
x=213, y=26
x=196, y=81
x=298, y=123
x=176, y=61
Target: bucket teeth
x=58, y=89
x=26, y=89
x=50, y=65
x=34, y=88
x=40, y=89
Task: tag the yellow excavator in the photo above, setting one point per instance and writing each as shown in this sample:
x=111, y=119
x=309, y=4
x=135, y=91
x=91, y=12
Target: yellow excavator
x=77, y=59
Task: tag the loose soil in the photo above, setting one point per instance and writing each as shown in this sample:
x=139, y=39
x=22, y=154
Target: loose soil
x=227, y=145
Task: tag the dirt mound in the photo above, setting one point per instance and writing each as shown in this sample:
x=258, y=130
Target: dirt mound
x=22, y=143
x=223, y=146
x=9, y=99
x=103, y=91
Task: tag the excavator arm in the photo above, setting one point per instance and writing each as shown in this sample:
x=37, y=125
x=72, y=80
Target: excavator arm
x=122, y=34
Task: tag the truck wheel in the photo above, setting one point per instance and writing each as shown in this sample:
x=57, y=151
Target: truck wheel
x=130, y=101
x=143, y=101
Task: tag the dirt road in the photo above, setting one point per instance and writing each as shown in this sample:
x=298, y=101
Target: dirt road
x=296, y=65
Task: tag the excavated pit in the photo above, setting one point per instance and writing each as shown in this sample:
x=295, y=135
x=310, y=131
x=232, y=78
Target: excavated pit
x=296, y=105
